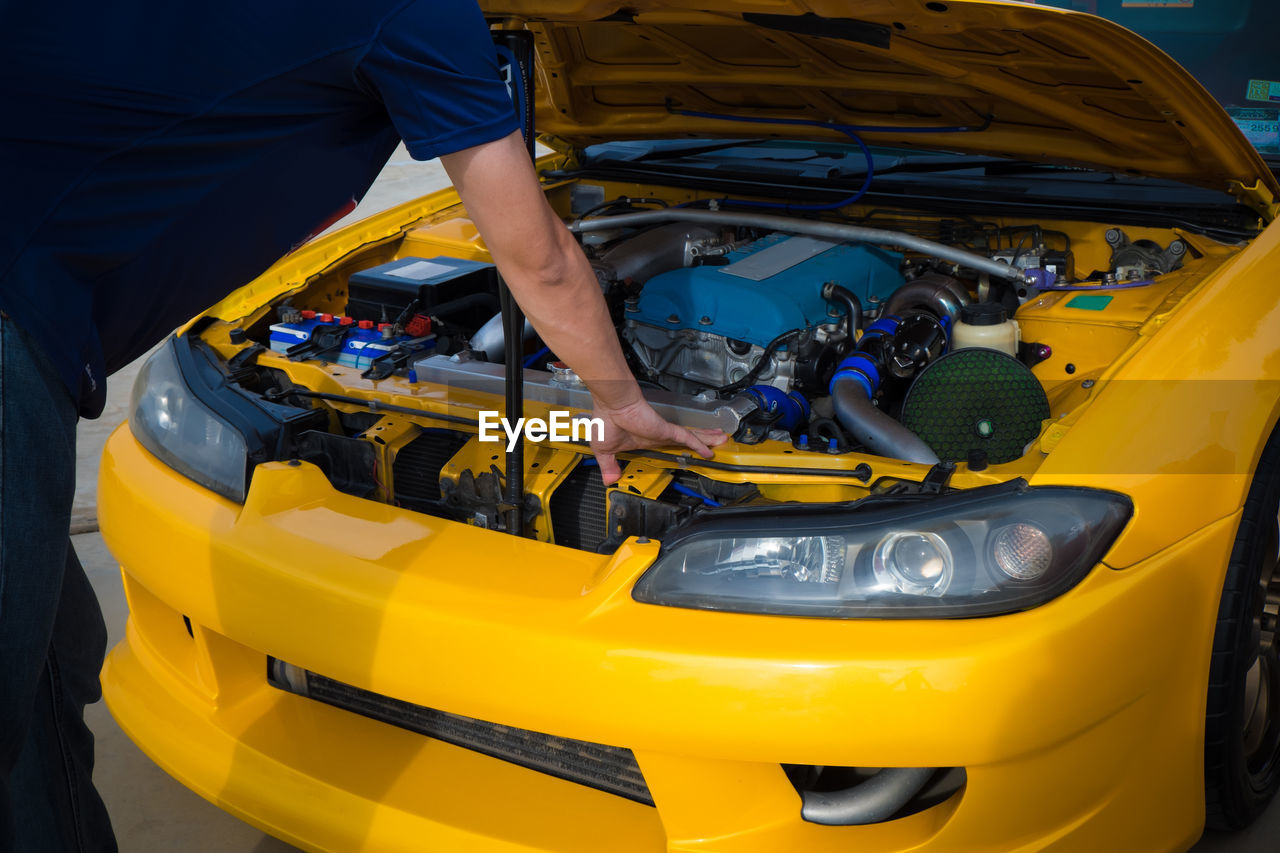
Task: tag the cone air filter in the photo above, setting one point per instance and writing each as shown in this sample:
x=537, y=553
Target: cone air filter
x=976, y=399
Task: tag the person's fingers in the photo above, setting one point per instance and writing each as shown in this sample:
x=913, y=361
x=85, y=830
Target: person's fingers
x=691, y=441
x=710, y=437
x=609, y=469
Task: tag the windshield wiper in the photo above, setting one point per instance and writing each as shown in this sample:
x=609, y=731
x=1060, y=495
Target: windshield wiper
x=692, y=150
x=956, y=163
x=892, y=165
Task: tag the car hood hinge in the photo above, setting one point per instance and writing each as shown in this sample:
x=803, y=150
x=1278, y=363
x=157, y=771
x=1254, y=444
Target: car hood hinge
x=1258, y=197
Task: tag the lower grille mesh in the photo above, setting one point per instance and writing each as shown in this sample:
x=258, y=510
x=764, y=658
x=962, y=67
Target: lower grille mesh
x=606, y=768
x=416, y=470
x=578, y=512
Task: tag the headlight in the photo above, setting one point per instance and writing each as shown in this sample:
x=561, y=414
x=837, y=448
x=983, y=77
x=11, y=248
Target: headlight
x=976, y=553
x=179, y=430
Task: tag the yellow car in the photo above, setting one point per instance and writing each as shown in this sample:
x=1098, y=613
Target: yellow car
x=986, y=294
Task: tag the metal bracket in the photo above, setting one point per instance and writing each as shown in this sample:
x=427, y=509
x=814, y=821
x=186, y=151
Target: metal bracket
x=935, y=482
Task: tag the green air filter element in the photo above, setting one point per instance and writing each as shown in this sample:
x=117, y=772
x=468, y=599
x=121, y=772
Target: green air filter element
x=976, y=399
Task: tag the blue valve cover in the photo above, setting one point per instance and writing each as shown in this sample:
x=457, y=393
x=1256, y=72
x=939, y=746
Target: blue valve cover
x=767, y=287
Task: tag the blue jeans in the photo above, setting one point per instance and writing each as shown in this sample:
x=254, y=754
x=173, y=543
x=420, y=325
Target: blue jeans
x=52, y=637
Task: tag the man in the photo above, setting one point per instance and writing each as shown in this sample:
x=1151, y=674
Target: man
x=156, y=155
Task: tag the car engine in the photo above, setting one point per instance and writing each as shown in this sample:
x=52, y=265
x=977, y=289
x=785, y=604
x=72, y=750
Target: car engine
x=707, y=325
x=770, y=328
x=822, y=337
x=805, y=336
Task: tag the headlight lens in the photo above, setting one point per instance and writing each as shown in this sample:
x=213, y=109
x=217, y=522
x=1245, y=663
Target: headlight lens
x=977, y=553
x=915, y=563
x=182, y=432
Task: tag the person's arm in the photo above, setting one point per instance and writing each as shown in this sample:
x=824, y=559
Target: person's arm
x=552, y=281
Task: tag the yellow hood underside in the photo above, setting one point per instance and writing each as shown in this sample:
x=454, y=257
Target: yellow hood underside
x=1021, y=81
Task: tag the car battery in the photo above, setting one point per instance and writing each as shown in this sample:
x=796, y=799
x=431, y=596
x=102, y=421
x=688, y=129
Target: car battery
x=366, y=343
x=467, y=291
x=363, y=335
x=286, y=335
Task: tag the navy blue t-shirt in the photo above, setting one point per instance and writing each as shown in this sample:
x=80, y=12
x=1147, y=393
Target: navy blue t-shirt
x=155, y=155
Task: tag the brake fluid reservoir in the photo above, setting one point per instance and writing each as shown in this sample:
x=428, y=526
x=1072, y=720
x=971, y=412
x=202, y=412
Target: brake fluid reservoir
x=985, y=324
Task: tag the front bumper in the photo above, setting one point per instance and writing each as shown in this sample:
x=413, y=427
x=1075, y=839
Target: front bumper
x=1079, y=723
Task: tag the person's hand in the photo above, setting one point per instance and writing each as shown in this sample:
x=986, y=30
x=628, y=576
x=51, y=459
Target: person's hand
x=638, y=426
x=552, y=280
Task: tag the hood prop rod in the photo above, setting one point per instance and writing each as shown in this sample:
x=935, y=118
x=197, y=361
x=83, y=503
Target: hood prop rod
x=515, y=47
x=513, y=328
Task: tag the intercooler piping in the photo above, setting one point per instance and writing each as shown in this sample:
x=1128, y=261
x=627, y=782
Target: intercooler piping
x=872, y=428
x=873, y=801
x=491, y=338
x=852, y=387
x=812, y=227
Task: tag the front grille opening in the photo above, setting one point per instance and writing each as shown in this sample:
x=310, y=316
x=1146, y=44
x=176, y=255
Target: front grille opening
x=579, y=517
x=416, y=470
x=945, y=783
x=577, y=509
x=606, y=768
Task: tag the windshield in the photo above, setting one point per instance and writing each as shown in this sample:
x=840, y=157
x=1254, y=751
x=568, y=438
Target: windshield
x=1226, y=44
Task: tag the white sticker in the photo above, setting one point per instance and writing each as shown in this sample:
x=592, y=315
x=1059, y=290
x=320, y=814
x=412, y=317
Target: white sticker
x=1261, y=127
x=421, y=270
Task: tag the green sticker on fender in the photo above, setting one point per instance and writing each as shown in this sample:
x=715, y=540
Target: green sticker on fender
x=1090, y=301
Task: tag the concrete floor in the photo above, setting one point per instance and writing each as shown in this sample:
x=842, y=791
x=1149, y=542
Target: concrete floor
x=152, y=812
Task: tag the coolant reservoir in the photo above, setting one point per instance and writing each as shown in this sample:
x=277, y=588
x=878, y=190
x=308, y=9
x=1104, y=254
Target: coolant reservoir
x=985, y=324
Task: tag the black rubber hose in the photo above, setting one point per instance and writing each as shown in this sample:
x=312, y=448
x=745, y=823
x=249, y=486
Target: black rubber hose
x=852, y=306
x=621, y=201
x=761, y=363
x=827, y=428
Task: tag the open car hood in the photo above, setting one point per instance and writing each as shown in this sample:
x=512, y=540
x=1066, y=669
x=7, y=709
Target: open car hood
x=1004, y=78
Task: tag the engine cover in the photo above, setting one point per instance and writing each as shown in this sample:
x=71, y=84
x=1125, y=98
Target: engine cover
x=768, y=287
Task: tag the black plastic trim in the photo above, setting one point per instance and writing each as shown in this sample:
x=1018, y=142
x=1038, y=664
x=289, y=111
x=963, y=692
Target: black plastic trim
x=268, y=428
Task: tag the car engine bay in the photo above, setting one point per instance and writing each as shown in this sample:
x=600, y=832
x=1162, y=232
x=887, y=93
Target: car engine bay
x=843, y=359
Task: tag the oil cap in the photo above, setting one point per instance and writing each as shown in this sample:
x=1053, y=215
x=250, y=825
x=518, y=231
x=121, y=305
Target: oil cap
x=983, y=314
